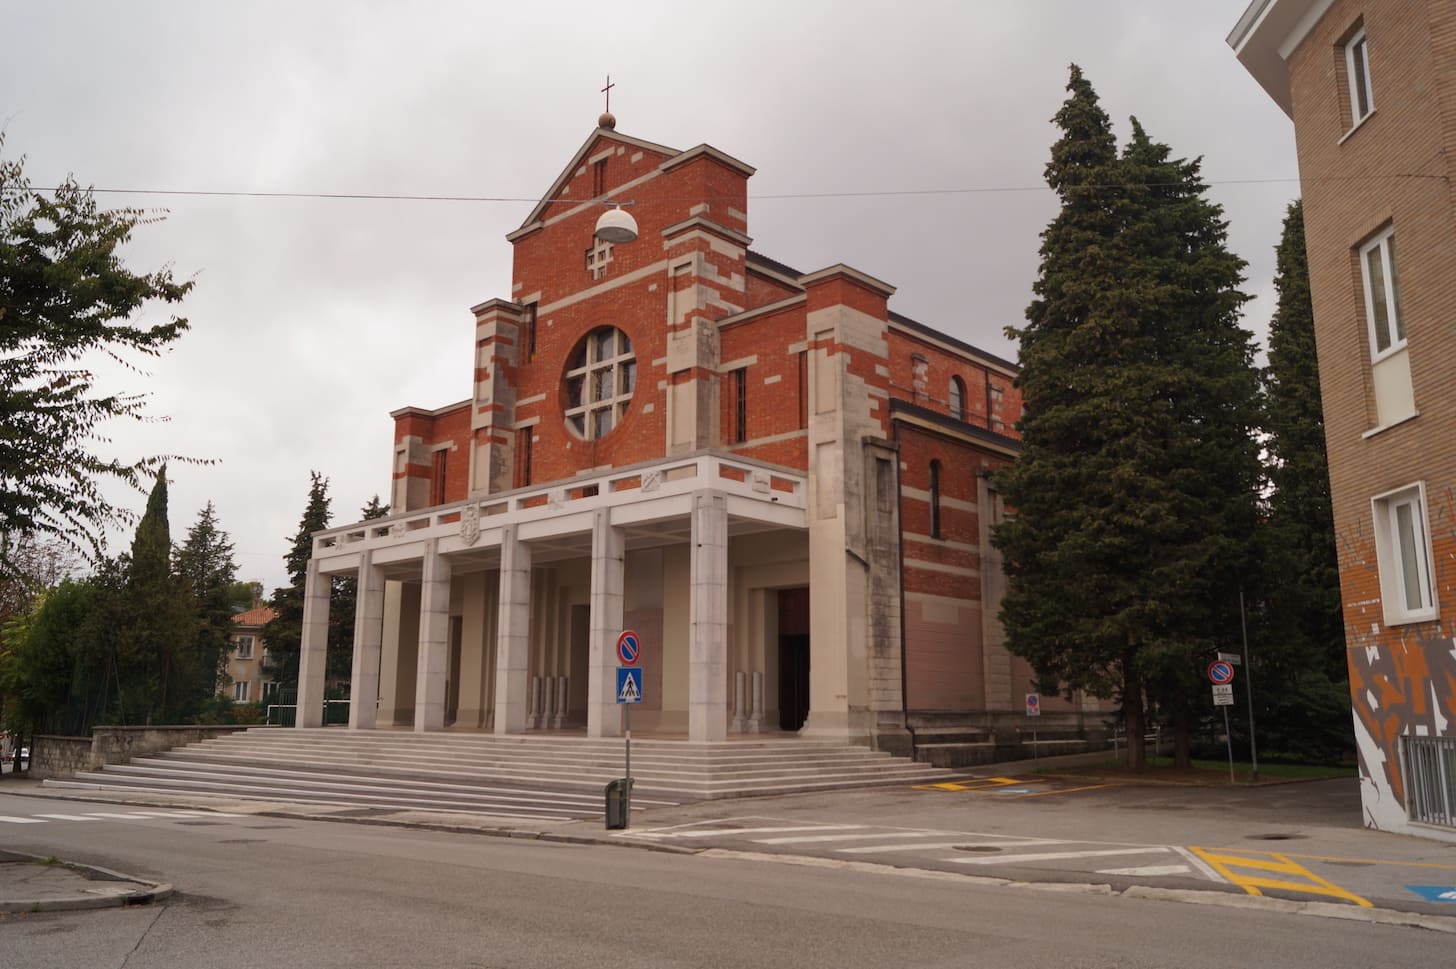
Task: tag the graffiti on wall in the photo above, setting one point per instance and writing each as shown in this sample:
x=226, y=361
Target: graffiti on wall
x=1402, y=679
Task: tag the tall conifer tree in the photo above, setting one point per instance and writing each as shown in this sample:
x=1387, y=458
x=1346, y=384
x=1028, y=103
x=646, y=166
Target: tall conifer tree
x=1300, y=631
x=284, y=635
x=205, y=564
x=1134, y=485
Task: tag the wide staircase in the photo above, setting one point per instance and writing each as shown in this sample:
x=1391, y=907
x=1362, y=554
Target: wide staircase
x=476, y=773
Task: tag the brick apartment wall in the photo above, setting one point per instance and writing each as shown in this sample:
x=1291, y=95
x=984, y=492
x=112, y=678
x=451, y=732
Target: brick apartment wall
x=1393, y=170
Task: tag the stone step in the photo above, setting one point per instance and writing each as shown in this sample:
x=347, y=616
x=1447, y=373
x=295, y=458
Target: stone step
x=384, y=755
x=444, y=771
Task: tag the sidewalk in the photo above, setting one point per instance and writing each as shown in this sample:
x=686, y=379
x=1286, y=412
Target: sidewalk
x=31, y=883
x=1296, y=847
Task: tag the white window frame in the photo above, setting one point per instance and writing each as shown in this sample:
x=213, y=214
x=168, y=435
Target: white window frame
x=620, y=368
x=244, y=647
x=1392, y=557
x=1357, y=50
x=240, y=691
x=1383, y=245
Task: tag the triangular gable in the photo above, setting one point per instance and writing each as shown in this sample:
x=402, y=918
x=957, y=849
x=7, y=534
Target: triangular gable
x=582, y=153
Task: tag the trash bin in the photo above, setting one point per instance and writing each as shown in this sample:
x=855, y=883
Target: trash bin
x=619, y=803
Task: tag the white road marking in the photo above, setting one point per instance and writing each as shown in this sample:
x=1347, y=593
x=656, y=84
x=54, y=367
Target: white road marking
x=1056, y=855
x=939, y=845
x=734, y=832
x=849, y=837
x=10, y=820
x=1148, y=870
x=1201, y=865
x=65, y=817
x=107, y=814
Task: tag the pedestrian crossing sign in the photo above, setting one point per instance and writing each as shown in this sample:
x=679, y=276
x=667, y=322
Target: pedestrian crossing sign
x=629, y=684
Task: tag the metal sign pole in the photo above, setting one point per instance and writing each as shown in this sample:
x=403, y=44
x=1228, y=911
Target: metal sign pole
x=1228, y=739
x=627, y=794
x=1249, y=686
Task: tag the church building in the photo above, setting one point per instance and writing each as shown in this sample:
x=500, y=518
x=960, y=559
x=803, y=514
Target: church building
x=783, y=486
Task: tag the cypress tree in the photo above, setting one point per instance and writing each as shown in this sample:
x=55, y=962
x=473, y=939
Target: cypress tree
x=1134, y=490
x=1300, y=632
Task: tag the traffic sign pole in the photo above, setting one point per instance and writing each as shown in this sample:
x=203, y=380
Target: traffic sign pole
x=1228, y=738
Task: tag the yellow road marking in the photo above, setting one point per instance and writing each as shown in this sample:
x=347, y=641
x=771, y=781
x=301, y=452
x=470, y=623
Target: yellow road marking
x=1224, y=863
x=970, y=784
x=1375, y=861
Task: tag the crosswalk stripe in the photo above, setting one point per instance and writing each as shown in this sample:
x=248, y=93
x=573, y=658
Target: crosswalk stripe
x=108, y=814
x=1057, y=855
x=812, y=839
x=940, y=845
x=9, y=820
x=734, y=832
x=65, y=817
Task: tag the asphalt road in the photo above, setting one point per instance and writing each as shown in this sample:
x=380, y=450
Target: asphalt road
x=265, y=891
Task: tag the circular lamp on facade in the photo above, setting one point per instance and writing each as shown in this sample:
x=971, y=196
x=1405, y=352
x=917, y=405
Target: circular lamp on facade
x=616, y=226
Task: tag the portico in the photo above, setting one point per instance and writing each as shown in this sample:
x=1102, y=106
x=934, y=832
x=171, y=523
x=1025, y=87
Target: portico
x=501, y=613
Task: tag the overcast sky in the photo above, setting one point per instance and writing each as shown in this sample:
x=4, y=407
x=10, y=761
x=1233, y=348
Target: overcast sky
x=312, y=319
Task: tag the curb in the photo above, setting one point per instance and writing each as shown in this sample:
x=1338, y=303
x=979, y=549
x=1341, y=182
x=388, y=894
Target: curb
x=156, y=891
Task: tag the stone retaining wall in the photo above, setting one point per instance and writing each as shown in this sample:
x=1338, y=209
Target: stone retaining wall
x=54, y=756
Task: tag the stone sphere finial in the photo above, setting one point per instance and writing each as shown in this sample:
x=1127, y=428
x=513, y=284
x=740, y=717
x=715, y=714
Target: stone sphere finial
x=607, y=120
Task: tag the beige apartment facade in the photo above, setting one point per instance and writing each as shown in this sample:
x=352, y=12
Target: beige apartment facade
x=1371, y=89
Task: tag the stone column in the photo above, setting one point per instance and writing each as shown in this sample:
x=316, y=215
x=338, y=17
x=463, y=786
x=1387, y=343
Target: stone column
x=313, y=648
x=513, y=635
x=434, y=655
x=368, y=638
x=708, y=619
x=603, y=714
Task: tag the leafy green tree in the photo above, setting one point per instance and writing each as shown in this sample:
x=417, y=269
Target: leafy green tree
x=284, y=634
x=204, y=562
x=1133, y=495
x=50, y=677
x=65, y=296
x=1300, y=636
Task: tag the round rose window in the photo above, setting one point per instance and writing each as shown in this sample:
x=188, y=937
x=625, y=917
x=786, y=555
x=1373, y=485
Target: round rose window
x=600, y=375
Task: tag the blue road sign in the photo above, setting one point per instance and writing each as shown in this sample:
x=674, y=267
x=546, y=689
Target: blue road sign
x=629, y=647
x=1435, y=893
x=629, y=684
x=1220, y=672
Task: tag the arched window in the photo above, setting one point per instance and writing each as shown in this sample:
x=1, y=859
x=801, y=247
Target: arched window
x=600, y=376
x=957, y=398
x=935, y=499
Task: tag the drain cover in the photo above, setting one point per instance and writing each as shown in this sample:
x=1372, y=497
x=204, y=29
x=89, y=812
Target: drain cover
x=1276, y=837
x=983, y=848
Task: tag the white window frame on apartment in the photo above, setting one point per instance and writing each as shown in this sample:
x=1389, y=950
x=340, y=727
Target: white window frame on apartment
x=1404, y=555
x=1357, y=55
x=240, y=691
x=1382, y=249
x=245, y=647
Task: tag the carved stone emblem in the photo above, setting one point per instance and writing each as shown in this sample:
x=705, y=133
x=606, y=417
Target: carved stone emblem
x=760, y=482
x=470, y=524
x=396, y=530
x=651, y=479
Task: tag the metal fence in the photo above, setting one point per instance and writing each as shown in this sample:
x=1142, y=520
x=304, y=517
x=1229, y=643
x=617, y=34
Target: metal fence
x=284, y=713
x=1430, y=779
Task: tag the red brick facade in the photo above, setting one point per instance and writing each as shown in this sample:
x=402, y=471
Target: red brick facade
x=722, y=340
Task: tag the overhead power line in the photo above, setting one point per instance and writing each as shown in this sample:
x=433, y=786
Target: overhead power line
x=771, y=196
